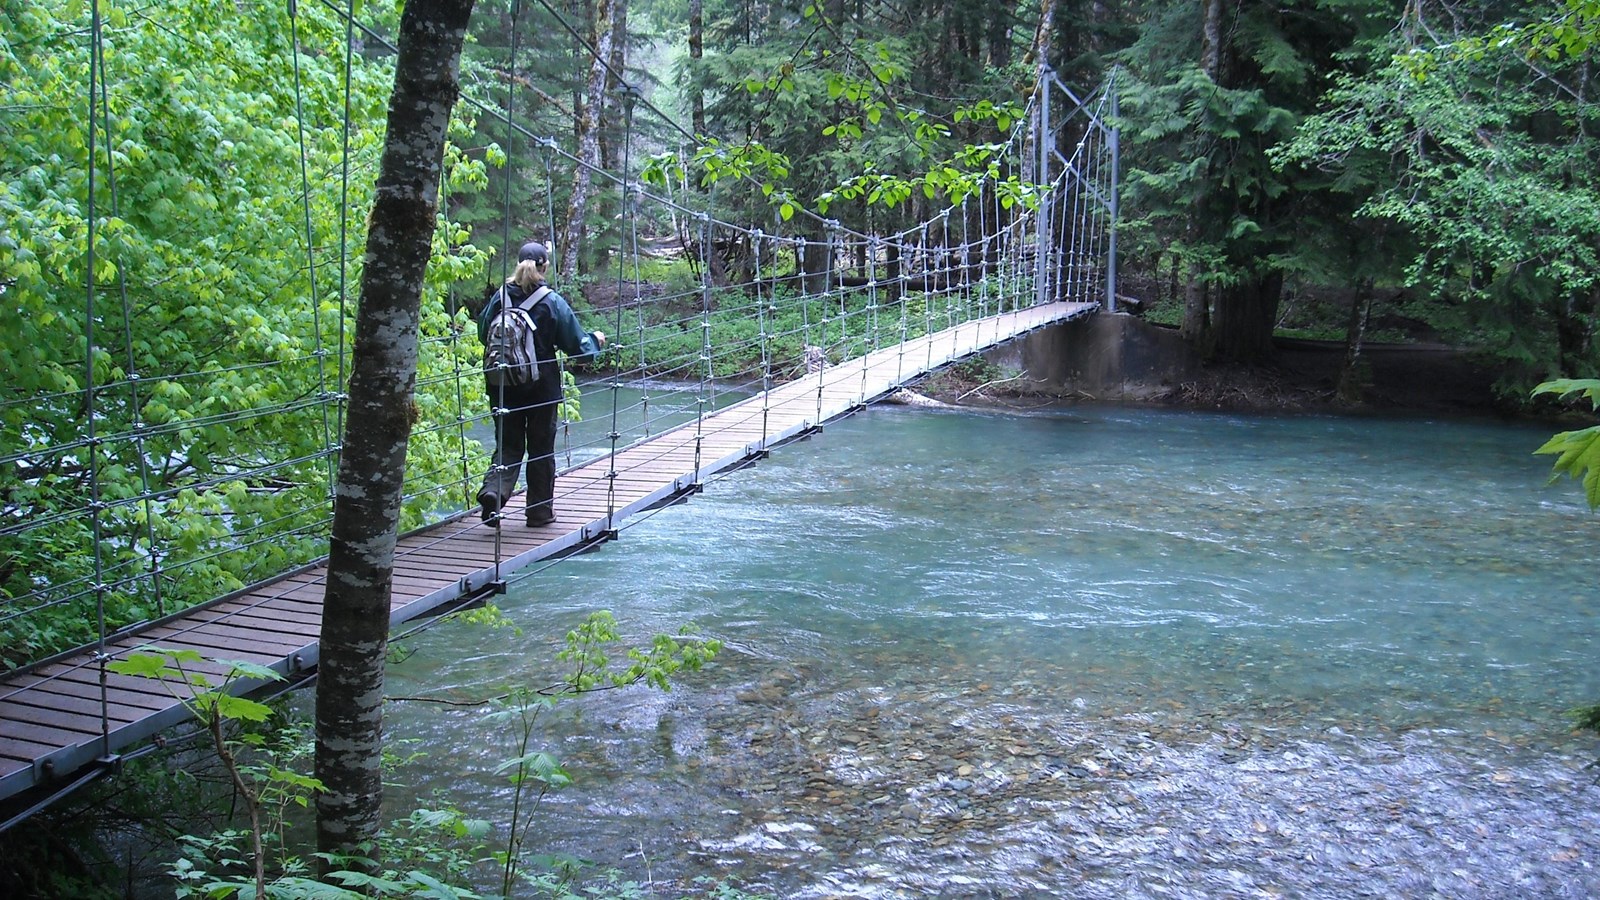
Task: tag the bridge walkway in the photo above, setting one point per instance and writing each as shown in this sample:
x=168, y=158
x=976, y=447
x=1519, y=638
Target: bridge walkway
x=67, y=720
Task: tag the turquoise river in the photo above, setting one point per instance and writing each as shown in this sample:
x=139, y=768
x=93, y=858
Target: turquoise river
x=1082, y=652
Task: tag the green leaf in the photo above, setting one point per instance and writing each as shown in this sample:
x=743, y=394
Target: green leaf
x=433, y=887
x=1561, y=387
x=240, y=709
x=1579, y=459
x=244, y=669
x=538, y=766
x=143, y=665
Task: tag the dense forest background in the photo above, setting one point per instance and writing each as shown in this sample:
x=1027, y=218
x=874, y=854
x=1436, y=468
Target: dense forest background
x=1345, y=169
x=1413, y=169
x=184, y=187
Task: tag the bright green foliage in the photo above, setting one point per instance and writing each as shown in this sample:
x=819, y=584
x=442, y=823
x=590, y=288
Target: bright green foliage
x=653, y=665
x=264, y=788
x=1571, y=31
x=1577, y=452
x=534, y=772
x=868, y=108
x=192, y=451
x=207, y=701
x=1579, y=459
x=1484, y=161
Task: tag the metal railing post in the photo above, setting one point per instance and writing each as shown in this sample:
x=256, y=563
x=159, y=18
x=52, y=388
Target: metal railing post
x=1111, y=235
x=1045, y=145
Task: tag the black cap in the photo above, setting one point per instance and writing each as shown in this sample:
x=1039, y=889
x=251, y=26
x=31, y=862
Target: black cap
x=535, y=251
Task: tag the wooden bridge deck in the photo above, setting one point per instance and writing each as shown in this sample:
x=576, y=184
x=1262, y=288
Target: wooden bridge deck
x=68, y=719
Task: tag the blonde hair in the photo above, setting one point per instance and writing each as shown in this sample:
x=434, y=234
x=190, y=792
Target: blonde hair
x=527, y=276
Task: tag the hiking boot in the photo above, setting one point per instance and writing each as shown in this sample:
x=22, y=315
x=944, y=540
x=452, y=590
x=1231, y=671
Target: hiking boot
x=540, y=516
x=488, y=506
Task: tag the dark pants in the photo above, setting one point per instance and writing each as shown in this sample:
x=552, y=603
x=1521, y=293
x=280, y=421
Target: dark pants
x=525, y=427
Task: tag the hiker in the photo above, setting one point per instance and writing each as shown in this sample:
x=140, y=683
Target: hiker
x=526, y=406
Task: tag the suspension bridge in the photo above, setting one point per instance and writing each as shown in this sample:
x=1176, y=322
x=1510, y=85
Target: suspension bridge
x=171, y=499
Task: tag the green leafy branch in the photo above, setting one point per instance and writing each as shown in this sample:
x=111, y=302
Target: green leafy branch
x=716, y=162
x=1571, y=31
x=216, y=707
x=1578, y=456
x=1577, y=452
x=946, y=180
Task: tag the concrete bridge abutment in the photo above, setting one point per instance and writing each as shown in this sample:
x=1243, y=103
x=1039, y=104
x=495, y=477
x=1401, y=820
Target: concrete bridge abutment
x=1106, y=356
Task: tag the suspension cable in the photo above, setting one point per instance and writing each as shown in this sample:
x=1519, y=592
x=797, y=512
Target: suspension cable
x=616, y=382
x=96, y=51
x=136, y=423
x=344, y=217
x=741, y=363
x=311, y=255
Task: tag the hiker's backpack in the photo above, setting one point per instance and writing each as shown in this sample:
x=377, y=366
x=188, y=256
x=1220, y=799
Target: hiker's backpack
x=509, y=355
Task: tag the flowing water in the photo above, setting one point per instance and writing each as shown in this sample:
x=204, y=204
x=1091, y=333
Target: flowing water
x=1088, y=653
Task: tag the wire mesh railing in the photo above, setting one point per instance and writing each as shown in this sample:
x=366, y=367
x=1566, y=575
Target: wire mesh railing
x=175, y=435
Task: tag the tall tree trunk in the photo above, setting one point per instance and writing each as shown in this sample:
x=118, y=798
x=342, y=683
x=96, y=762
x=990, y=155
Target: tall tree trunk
x=578, y=11
x=366, y=511
x=1575, y=318
x=894, y=282
x=1349, y=389
x=1196, y=327
x=1197, y=322
x=618, y=62
x=588, y=139
x=697, y=97
x=814, y=262
x=1245, y=316
x=998, y=39
x=1037, y=60
x=1211, y=40
x=1039, y=53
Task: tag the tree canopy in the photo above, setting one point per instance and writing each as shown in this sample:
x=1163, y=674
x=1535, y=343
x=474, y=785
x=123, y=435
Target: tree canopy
x=178, y=412
x=1437, y=154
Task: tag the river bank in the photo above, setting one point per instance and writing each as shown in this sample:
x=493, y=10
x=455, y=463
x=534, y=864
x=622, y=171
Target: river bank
x=1127, y=361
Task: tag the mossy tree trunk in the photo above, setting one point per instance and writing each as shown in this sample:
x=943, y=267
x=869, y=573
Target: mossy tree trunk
x=366, y=512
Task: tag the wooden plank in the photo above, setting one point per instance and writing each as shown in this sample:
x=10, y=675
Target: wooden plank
x=301, y=591
x=48, y=736
x=409, y=581
x=67, y=703
x=298, y=605
x=24, y=752
x=210, y=647
x=226, y=640
x=287, y=615
x=149, y=692
x=21, y=715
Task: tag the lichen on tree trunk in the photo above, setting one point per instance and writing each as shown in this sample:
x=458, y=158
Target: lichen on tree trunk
x=366, y=513
x=588, y=140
